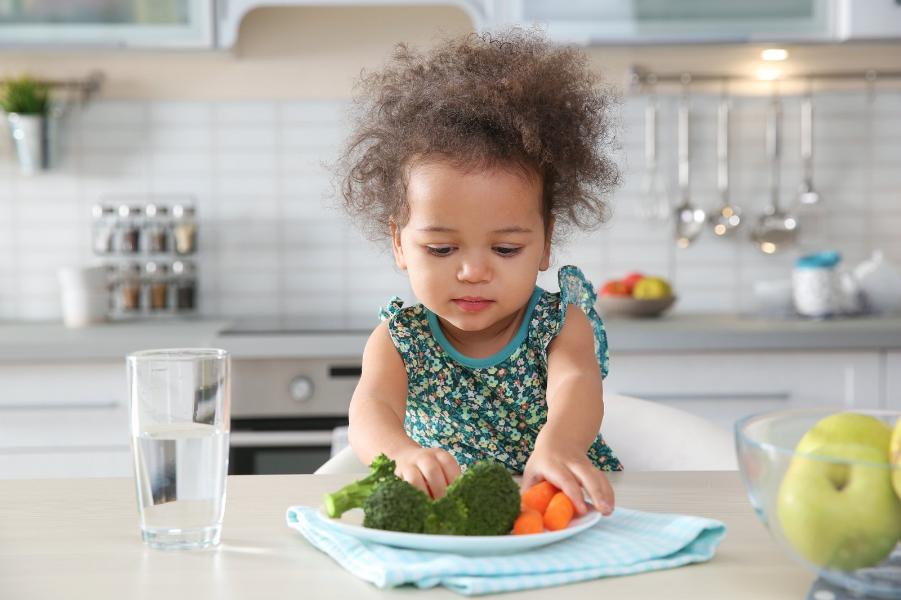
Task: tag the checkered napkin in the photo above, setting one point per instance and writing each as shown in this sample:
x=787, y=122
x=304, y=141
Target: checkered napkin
x=627, y=542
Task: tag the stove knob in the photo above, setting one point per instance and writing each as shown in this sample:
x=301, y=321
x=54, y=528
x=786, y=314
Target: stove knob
x=301, y=388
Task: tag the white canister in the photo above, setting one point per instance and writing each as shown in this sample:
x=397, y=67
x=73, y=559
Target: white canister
x=85, y=295
x=816, y=290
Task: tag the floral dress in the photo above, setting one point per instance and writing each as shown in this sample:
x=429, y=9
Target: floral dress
x=493, y=407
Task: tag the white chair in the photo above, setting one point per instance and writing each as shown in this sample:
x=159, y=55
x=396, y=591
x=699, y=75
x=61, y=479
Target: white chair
x=646, y=436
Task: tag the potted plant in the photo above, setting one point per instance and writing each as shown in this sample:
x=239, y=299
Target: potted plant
x=26, y=102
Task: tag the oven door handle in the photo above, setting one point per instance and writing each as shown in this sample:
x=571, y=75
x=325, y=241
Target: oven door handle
x=271, y=439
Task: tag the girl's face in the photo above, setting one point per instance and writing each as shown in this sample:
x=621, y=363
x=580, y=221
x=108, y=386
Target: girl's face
x=474, y=242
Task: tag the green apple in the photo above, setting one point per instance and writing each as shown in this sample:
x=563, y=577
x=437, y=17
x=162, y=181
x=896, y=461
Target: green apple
x=895, y=457
x=840, y=515
x=847, y=428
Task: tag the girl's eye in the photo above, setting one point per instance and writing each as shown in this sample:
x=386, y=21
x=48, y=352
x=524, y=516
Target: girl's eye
x=506, y=250
x=440, y=250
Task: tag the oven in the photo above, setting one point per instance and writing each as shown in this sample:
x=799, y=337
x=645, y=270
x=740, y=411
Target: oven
x=288, y=415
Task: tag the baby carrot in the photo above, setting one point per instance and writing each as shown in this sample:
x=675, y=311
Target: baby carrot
x=528, y=521
x=559, y=512
x=538, y=496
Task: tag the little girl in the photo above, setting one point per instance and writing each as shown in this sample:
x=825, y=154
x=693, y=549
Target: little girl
x=469, y=158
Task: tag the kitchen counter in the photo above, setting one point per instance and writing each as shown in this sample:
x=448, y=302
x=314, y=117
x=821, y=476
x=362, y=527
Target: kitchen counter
x=40, y=341
x=719, y=332
x=676, y=333
x=79, y=539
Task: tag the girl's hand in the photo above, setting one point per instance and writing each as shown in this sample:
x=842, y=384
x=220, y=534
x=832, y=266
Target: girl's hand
x=429, y=469
x=571, y=471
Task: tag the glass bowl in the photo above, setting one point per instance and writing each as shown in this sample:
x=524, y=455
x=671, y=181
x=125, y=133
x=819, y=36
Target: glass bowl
x=832, y=506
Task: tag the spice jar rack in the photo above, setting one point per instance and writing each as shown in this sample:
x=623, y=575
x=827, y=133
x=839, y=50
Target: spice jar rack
x=148, y=246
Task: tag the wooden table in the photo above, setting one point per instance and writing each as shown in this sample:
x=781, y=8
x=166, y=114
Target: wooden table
x=79, y=539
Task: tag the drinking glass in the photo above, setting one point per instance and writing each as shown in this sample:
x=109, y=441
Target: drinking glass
x=179, y=403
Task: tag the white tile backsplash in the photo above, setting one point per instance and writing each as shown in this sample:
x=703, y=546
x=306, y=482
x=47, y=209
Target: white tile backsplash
x=273, y=239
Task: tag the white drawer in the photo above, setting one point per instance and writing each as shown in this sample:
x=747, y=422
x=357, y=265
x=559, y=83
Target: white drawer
x=62, y=428
x=726, y=386
x=52, y=384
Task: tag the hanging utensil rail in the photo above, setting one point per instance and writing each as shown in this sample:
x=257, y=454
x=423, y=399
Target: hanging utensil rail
x=641, y=78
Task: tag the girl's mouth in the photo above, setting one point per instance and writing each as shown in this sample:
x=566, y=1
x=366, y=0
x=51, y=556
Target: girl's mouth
x=473, y=304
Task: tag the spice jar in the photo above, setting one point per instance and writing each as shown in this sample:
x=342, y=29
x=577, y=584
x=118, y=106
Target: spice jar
x=129, y=231
x=156, y=229
x=185, y=284
x=103, y=226
x=184, y=229
x=128, y=288
x=157, y=282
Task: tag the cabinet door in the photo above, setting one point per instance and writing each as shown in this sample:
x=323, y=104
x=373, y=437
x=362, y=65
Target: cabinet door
x=699, y=21
x=63, y=420
x=893, y=380
x=113, y=23
x=724, y=387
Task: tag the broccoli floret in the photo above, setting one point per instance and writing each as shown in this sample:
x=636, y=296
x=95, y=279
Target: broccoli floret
x=490, y=496
x=396, y=505
x=355, y=494
x=447, y=517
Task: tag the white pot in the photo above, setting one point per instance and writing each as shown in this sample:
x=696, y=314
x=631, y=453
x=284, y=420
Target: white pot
x=83, y=279
x=31, y=139
x=81, y=309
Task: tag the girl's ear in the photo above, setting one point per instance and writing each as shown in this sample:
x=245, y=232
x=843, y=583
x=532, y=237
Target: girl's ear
x=396, y=248
x=546, y=257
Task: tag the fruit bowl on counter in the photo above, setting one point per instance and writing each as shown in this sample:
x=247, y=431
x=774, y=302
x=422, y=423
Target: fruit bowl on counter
x=636, y=295
x=827, y=485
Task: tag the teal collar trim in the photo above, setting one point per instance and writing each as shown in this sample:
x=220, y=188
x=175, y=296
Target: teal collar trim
x=500, y=356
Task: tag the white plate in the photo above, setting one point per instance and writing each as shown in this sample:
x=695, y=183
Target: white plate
x=351, y=524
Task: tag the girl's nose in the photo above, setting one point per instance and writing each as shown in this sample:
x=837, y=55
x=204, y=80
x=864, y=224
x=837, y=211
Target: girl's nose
x=474, y=269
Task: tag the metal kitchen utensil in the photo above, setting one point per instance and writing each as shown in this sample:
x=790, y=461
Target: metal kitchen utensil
x=728, y=218
x=654, y=206
x=775, y=229
x=689, y=218
x=806, y=193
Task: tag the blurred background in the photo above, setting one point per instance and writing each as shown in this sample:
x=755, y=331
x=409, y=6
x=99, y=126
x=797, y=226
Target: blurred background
x=164, y=182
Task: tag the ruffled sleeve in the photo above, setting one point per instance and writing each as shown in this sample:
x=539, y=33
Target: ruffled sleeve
x=576, y=289
x=404, y=327
x=394, y=306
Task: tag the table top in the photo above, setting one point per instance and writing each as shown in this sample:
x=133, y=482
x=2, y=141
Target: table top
x=79, y=539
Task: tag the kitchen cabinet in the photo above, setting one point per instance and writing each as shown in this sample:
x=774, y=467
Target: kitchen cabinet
x=108, y=23
x=587, y=22
x=63, y=420
x=892, y=367
x=726, y=386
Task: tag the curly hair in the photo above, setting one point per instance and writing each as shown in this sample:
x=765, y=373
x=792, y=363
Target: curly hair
x=509, y=100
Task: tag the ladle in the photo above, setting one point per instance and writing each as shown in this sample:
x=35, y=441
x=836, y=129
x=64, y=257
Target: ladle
x=806, y=193
x=775, y=229
x=655, y=205
x=728, y=218
x=689, y=218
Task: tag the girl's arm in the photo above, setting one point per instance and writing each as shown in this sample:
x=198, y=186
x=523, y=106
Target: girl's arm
x=379, y=400
x=377, y=419
x=575, y=410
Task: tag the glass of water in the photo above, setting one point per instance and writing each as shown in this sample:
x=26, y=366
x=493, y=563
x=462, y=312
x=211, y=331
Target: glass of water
x=179, y=403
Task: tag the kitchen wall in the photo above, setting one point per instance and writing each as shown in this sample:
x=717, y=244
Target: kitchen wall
x=271, y=241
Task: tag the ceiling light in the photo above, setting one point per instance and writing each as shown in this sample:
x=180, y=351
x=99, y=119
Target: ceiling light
x=768, y=74
x=774, y=54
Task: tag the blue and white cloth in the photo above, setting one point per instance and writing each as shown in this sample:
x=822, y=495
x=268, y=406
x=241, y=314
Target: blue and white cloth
x=627, y=542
